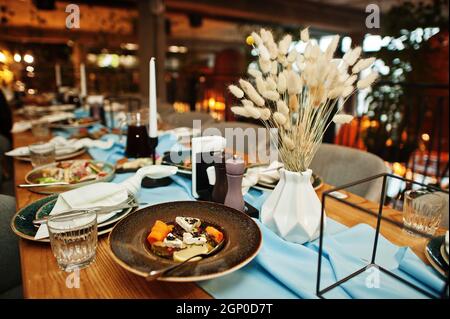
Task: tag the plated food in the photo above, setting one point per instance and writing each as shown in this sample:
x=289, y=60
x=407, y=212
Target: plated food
x=75, y=173
x=126, y=165
x=183, y=238
x=130, y=247
x=70, y=172
x=75, y=123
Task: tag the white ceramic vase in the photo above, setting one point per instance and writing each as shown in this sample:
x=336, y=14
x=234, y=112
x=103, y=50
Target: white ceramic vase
x=293, y=209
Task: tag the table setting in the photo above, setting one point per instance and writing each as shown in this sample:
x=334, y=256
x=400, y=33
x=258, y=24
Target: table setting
x=149, y=203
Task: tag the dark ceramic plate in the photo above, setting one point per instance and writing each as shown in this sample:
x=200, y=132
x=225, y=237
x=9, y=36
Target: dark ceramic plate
x=22, y=222
x=128, y=245
x=433, y=254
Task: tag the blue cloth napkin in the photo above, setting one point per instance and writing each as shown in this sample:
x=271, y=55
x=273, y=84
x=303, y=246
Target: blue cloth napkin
x=288, y=270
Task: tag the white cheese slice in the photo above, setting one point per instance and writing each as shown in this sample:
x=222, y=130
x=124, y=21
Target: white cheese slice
x=188, y=239
x=188, y=223
x=173, y=242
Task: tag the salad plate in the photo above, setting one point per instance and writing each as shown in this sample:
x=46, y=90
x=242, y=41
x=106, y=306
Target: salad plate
x=76, y=173
x=132, y=248
x=22, y=222
x=75, y=123
x=59, y=157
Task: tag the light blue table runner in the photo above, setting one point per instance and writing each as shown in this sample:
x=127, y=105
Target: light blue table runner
x=288, y=270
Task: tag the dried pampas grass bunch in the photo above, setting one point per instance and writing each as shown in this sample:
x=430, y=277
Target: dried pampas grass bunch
x=298, y=93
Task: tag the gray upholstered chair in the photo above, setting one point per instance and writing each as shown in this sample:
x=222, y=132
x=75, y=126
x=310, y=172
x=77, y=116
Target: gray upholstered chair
x=339, y=165
x=242, y=131
x=10, y=279
x=187, y=119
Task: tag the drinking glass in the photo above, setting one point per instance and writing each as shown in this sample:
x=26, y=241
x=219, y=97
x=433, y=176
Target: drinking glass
x=137, y=134
x=73, y=239
x=42, y=154
x=422, y=211
x=40, y=129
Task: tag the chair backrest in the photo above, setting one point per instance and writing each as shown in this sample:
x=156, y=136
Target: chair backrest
x=9, y=246
x=186, y=119
x=241, y=141
x=339, y=165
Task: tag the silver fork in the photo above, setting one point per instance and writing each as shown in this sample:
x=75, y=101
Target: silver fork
x=99, y=209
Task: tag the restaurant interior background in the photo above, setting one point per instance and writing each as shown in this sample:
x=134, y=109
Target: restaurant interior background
x=200, y=49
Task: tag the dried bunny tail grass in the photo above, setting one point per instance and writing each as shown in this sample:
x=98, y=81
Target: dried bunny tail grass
x=271, y=95
x=282, y=60
x=257, y=38
x=342, y=118
x=282, y=107
x=241, y=111
x=362, y=65
x=347, y=90
x=308, y=51
x=292, y=56
x=260, y=85
x=265, y=114
x=271, y=84
x=351, y=80
x=329, y=52
x=367, y=81
x=293, y=103
x=263, y=52
x=266, y=35
x=288, y=143
x=281, y=83
x=279, y=118
x=352, y=55
x=253, y=112
x=274, y=68
x=284, y=44
x=254, y=72
x=265, y=65
x=237, y=92
x=251, y=92
x=335, y=92
x=304, y=35
x=273, y=50
x=293, y=82
x=246, y=102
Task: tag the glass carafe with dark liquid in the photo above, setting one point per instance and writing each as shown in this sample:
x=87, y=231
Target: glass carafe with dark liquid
x=137, y=135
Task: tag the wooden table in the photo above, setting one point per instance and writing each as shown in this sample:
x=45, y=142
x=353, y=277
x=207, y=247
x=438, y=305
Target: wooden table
x=105, y=279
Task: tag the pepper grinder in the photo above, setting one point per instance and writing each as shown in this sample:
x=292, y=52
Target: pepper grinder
x=221, y=185
x=235, y=168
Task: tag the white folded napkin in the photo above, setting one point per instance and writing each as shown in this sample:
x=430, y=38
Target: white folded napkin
x=266, y=174
x=22, y=126
x=65, y=146
x=104, y=194
x=99, y=194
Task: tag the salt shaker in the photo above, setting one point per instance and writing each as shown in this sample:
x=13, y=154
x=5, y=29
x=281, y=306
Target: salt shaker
x=221, y=185
x=235, y=168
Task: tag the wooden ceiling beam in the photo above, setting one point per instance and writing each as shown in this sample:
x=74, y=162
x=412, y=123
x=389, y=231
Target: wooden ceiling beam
x=281, y=12
x=62, y=36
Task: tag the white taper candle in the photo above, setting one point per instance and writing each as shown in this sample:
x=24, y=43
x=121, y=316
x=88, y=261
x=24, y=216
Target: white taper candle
x=152, y=101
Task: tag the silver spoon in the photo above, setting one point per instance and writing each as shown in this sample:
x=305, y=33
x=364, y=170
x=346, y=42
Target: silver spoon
x=155, y=274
